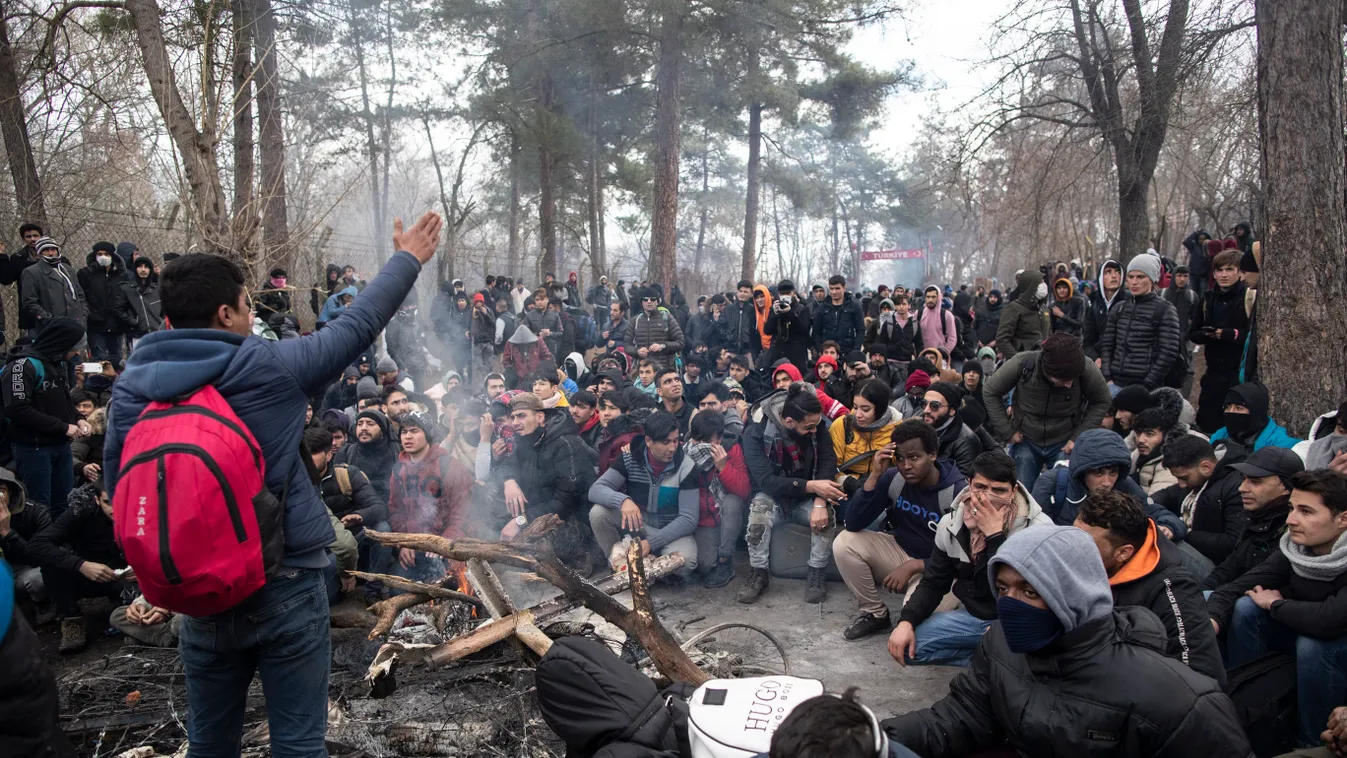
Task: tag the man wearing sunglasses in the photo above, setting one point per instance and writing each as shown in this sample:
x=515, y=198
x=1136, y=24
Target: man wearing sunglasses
x=654, y=333
x=958, y=442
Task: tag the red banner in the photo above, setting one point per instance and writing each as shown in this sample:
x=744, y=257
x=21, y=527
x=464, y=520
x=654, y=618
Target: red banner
x=892, y=255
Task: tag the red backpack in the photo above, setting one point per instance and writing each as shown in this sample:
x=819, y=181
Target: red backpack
x=192, y=511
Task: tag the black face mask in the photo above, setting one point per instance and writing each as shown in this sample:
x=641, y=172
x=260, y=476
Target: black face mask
x=473, y=437
x=1239, y=425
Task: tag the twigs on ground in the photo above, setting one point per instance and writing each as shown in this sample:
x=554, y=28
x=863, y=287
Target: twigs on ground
x=429, y=590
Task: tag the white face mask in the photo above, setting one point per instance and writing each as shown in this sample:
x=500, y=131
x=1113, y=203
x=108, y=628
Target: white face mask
x=1042, y=291
x=103, y=260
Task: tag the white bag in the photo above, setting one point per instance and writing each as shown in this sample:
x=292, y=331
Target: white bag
x=735, y=718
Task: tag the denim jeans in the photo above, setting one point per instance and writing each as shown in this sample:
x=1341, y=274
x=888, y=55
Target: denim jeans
x=47, y=472
x=1321, y=665
x=372, y=554
x=764, y=512
x=1199, y=565
x=106, y=346
x=949, y=638
x=1030, y=459
x=283, y=634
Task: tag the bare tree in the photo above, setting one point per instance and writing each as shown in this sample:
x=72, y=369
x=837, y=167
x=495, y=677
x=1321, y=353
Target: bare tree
x=271, y=139
x=663, y=230
x=1304, y=275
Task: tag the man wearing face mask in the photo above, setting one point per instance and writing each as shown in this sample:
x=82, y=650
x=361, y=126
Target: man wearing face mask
x=111, y=316
x=1065, y=672
x=1021, y=326
x=50, y=290
x=1247, y=422
x=276, y=299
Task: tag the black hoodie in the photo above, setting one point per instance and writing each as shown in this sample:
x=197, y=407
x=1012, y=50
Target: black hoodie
x=553, y=467
x=374, y=459
x=35, y=392
x=144, y=297
x=109, y=309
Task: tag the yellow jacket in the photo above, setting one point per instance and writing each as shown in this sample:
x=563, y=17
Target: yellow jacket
x=860, y=442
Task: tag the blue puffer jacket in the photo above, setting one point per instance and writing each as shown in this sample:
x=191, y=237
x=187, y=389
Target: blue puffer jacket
x=1096, y=449
x=1273, y=435
x=333, y=307
x=267, y=384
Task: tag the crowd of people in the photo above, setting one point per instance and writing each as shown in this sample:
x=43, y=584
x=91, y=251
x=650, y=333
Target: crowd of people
x=1020, y=474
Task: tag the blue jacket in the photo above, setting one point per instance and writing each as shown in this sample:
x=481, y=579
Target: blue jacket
x=268, y=384
x=333, y=307
x=1059, y=490
x=1273, y=435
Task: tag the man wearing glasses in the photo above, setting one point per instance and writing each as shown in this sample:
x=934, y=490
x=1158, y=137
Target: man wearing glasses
x=958, y=442
x=654, y=333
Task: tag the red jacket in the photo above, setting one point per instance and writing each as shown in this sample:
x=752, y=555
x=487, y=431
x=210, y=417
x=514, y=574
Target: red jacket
x=735, y=481
x=431, y=495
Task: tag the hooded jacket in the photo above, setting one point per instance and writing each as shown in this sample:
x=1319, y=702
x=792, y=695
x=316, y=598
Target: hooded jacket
x=525, y=354
x=741, y=324
x=109, y=310
x=773, y=471
x=40, y=412
x=1272, y=434
x=333, y=307
x=552, y=466
x=1141, y=342
x=898, y=336
x=1072, y=320
x=1155, y=578
x=988, y=320
x=951, y=567
x=268, y=384
x=913, y=513
x=144, y=297
x=1104, y=687
x=50, y=291
x=1262, y=531
x=1044, y=413
x=844, y=323
x=1021, y=326
x=373, y=459
x=1219, y=517
x=25, y=521
x=1059, y=490
x=671, y=506
x=937, y=327
x=431, y=495
x=1199, y=265
x=1097, y=316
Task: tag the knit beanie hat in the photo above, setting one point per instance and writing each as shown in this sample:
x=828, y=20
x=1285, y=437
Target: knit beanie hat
x=423, y=421
x=104, y=247
x=1134, y=398
x=1147, y=264
x=45, y=243
x=366, y=388
x=952, y=393
x=917, y=380
x=854, y=357
x=386, y=365
x=1063, y=357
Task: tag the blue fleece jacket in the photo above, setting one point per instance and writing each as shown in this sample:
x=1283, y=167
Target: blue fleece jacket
x=1273, y=435
x=268, y=384
x=913, y=511
x=1096, y=449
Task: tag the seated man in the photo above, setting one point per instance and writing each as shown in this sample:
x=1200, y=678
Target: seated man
x=1064, y=672
x=1266, y=496
x=912, y=491
x=20, y=521
x=669, y=390
x=791, y=462
x=1247, y=422
x=349, y=496
x=1098, y=463
x=79, y=557
x=958, y=442
x=651, y=493
x=1295, y=602
x=373, y=450
x=993, y=507
x=146, y=624
x=1207, y=499
x=723, y=488
x=1152, y=429
x=584, y=410
x=716, y=400
x=429, y=493
x=1146, y=570
x=550, y=471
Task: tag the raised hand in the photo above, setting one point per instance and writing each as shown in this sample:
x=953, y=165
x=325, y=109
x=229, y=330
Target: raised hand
x=422, y=240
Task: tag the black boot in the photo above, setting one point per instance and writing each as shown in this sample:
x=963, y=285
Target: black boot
x=721, y=574
x=817, y=589
x=754, y=587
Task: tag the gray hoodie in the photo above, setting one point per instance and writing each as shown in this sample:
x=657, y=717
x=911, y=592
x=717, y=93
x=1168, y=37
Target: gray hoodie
x=1063, y=565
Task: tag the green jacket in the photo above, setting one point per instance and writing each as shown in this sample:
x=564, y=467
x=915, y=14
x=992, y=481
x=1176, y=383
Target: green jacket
x=1021, y=325
x=1044, y=413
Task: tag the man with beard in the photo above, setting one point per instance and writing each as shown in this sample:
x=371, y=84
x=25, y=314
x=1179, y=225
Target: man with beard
x=374, y=453
x=551, y=469
x=958, y=443
x=395, y=405
x=670, y=392
x=881, y=369
x=989, y=320
x=429, y=494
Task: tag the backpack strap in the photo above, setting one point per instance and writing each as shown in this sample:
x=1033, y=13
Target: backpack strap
x=1059, y=497
x=1027, y=370
x=343, y=476
x=38, y=369
x=1250, y=298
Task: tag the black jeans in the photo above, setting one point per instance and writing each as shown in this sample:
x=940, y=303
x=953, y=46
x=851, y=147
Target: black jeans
x=67, y=587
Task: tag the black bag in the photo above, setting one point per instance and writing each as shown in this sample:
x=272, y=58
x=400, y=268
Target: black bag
x=1264, y=694
x=600, y=706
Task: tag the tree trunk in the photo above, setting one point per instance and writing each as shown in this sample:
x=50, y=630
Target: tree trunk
x=446, y=267
x=1304, y=275
x=196, y=147
x=1134, y=226
x=664, y=209
x=750, y=264
x=512, y=252
x=704, y=217
x=388, y=126
x=367, y=113
x=547, y=201
x=31, y=203
x=245, y=214
x=271, y=141
x=597, y=265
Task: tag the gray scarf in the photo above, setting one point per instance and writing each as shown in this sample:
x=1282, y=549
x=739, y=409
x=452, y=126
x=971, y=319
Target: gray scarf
x=1316, y=568
x=700, y=452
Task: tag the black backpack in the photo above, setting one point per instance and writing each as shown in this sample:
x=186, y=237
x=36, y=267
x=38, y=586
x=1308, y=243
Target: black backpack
x=1264, y=693
x=1178, y=373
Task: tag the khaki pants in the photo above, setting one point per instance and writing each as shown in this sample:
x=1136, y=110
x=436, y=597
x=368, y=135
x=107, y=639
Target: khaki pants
x=864, y=559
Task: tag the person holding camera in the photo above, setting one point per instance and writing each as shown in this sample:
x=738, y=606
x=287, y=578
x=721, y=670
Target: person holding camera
x=788, y=326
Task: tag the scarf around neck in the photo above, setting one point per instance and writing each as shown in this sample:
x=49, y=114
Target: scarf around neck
x=1316, y=568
